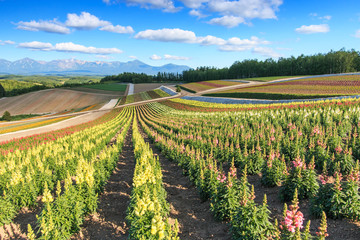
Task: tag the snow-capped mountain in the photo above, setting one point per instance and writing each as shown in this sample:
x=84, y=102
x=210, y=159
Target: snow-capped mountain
x=74, y=66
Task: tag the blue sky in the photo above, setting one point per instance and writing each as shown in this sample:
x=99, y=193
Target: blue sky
x=187, y=32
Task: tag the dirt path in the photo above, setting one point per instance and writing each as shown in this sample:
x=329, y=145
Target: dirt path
x=109, y=221
x=195, y=219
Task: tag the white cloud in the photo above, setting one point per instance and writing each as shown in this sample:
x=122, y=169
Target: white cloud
x=246, y=9
x=35, y=45
x=85, y=21
x=322, y=28
x=197, y=13
x=266, y=52
x=52, y=26
x=67, y=47
x=6, y=42
x=234, y=44
x=167, y=35
x=155, y=57
x=133, y=57
x=210, y=40
x=117, y=29
x=171, y=57
x=166, y=5
x=228, y=12
x=227, y=21
x=357, y=34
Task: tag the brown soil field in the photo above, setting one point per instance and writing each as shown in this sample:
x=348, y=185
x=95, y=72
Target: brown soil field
x=51, y=101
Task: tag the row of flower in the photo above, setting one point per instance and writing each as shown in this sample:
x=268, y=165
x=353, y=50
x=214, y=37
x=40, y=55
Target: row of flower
x=63, y=212
x=24, y=143
x=25, y=175
x=231, y=198
x=23, y=126
x=287, y=146
x=205, y=85
x=330, y=85
x=148, y=95
x=148, y=209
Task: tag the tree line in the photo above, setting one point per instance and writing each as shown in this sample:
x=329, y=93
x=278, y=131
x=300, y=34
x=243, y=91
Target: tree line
x=341, y=61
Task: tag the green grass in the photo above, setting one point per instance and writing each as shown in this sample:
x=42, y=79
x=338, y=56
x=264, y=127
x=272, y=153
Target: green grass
x=267, y=79
x=20, y=117
x=108, y=87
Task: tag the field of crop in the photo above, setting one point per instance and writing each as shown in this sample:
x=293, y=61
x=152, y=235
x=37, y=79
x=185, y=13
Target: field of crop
x=186, y=169
x=305, y=88
x=231, y=158
x=52, y=101
x=148, y=95
x=206, y=85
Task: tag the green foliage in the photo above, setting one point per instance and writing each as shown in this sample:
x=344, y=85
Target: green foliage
x=6, y=116
x=303, y=179
x=2, y=91
x=252, y=222
x=178, y=88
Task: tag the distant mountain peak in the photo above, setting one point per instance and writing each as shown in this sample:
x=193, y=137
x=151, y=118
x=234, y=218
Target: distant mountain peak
x=70, y=66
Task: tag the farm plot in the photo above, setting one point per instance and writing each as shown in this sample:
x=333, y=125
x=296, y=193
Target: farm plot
x=312, y=172
x=305, y=88
x=52, y=101
x=206, y=85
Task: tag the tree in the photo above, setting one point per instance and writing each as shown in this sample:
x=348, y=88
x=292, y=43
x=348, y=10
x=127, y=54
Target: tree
x=178, y=89
x=2, y=91
x=6, y=116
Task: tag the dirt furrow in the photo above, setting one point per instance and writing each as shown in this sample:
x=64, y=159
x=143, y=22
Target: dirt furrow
x=109, y=221
x=195, y=219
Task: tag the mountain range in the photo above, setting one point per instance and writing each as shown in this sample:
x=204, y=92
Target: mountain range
x=30, y=66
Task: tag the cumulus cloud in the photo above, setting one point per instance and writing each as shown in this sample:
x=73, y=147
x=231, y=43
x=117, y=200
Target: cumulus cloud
x=234, y=44
x=210, y=40
x=84, y=21
x=322, y=28
x=227, y=21
x=35, y=45
x=236, y=12
x=67, y=47
x=167, y=35
x=117, y=29
x=133, y=57
x=52, y=26
x=155, y=57
x=197, y=13
x=228, y=13
x=6, y=42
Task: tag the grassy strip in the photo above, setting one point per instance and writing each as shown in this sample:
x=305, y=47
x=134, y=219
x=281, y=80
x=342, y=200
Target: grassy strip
x=267, y=96
x=187, y=89
x=108, y=87
x=267, y=79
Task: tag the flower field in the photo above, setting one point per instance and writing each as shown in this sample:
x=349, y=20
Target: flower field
x=205, y=85
x=148, y=95
x=303, y=88
x=265, y=170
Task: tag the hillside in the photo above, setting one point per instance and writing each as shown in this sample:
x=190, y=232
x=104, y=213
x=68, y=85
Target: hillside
x=52, y=100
